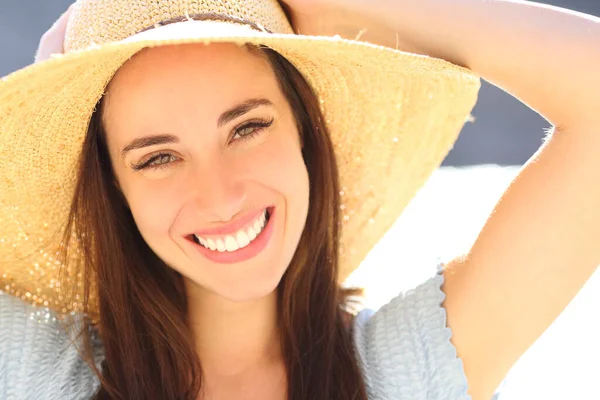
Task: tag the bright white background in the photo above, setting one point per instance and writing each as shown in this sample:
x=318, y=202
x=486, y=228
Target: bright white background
x=442, y=222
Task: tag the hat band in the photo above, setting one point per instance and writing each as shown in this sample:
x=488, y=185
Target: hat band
x=210, y=16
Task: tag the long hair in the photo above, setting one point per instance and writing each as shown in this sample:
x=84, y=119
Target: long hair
x=149, y=350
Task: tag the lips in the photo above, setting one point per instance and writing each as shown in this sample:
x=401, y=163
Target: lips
x=252, y=249
x=236, y=240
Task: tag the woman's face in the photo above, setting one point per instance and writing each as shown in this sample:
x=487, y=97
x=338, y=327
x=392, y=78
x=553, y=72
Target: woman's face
x=203, y=143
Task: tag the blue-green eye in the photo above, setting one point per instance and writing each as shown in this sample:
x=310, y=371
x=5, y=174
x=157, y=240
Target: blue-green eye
x=250, y=129
x=156, y=162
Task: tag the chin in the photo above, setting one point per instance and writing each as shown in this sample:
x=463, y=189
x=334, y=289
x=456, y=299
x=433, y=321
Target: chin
x=247, y=290
x=249, y=295
x=243, y=284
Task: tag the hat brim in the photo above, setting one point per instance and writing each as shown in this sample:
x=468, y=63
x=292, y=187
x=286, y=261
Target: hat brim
x=392, y=117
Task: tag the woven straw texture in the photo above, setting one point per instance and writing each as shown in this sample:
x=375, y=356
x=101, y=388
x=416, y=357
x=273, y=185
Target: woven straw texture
x=392, y=116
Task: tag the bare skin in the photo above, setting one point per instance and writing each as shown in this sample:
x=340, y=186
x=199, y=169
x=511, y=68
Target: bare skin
x=211, y=174
x=539, y=245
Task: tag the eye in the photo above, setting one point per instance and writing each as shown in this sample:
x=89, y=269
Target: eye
x=157, y=161
x=250, y=129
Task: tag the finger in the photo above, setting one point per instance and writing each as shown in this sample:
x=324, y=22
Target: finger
x=286, y=10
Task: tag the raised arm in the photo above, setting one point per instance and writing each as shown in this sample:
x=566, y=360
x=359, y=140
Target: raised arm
x=541, y=243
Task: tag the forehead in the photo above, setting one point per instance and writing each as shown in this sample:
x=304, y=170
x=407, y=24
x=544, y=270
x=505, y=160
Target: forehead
x=202, y=74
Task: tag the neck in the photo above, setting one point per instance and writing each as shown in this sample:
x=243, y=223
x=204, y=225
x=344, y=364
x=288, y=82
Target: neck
x=234, y=339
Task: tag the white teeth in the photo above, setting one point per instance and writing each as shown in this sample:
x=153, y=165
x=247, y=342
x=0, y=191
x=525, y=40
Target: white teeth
x=251, y=233
x=230, y=243
x=263, y=219
x=239, y=240
x=211, y=244
x=242, y=239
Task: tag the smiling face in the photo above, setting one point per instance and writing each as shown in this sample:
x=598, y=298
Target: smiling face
x=204, y=145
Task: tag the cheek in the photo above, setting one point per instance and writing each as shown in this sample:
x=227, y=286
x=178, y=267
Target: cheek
x=154, y=207
x=278, y=165
x=283, y=171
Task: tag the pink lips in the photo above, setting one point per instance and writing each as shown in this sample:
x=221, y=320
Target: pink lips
x=233, y=226
x=243, y=254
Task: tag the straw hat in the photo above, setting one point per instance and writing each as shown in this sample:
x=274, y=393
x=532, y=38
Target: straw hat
x=392, y=116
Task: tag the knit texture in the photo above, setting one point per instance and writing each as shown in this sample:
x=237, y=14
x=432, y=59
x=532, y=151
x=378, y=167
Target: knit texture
x=404, y=350
x=391, y=116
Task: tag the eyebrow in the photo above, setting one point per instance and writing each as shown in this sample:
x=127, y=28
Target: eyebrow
x=146, y=141
x=228, y=116
x=241, y=109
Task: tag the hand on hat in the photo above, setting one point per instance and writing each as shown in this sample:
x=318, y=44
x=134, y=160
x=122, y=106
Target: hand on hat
x=320, y=17
x=346, y=18
x=52, y=40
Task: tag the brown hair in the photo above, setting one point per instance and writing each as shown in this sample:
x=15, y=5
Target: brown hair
x=148, y=346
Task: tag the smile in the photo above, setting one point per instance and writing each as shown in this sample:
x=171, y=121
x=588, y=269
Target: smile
x=238, y=240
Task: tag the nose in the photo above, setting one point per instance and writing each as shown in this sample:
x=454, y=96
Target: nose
x=217, y=190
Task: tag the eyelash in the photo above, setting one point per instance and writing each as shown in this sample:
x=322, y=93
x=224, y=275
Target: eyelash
x=258, y=125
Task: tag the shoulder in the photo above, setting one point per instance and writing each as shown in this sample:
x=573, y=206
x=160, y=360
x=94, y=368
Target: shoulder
x=404, y=348
x=37, y=357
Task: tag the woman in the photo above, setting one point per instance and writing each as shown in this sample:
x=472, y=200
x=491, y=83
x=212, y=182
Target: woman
x=204, y=198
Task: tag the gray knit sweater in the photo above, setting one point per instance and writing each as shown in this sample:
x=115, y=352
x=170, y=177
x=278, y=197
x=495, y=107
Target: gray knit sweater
x=404, y=348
